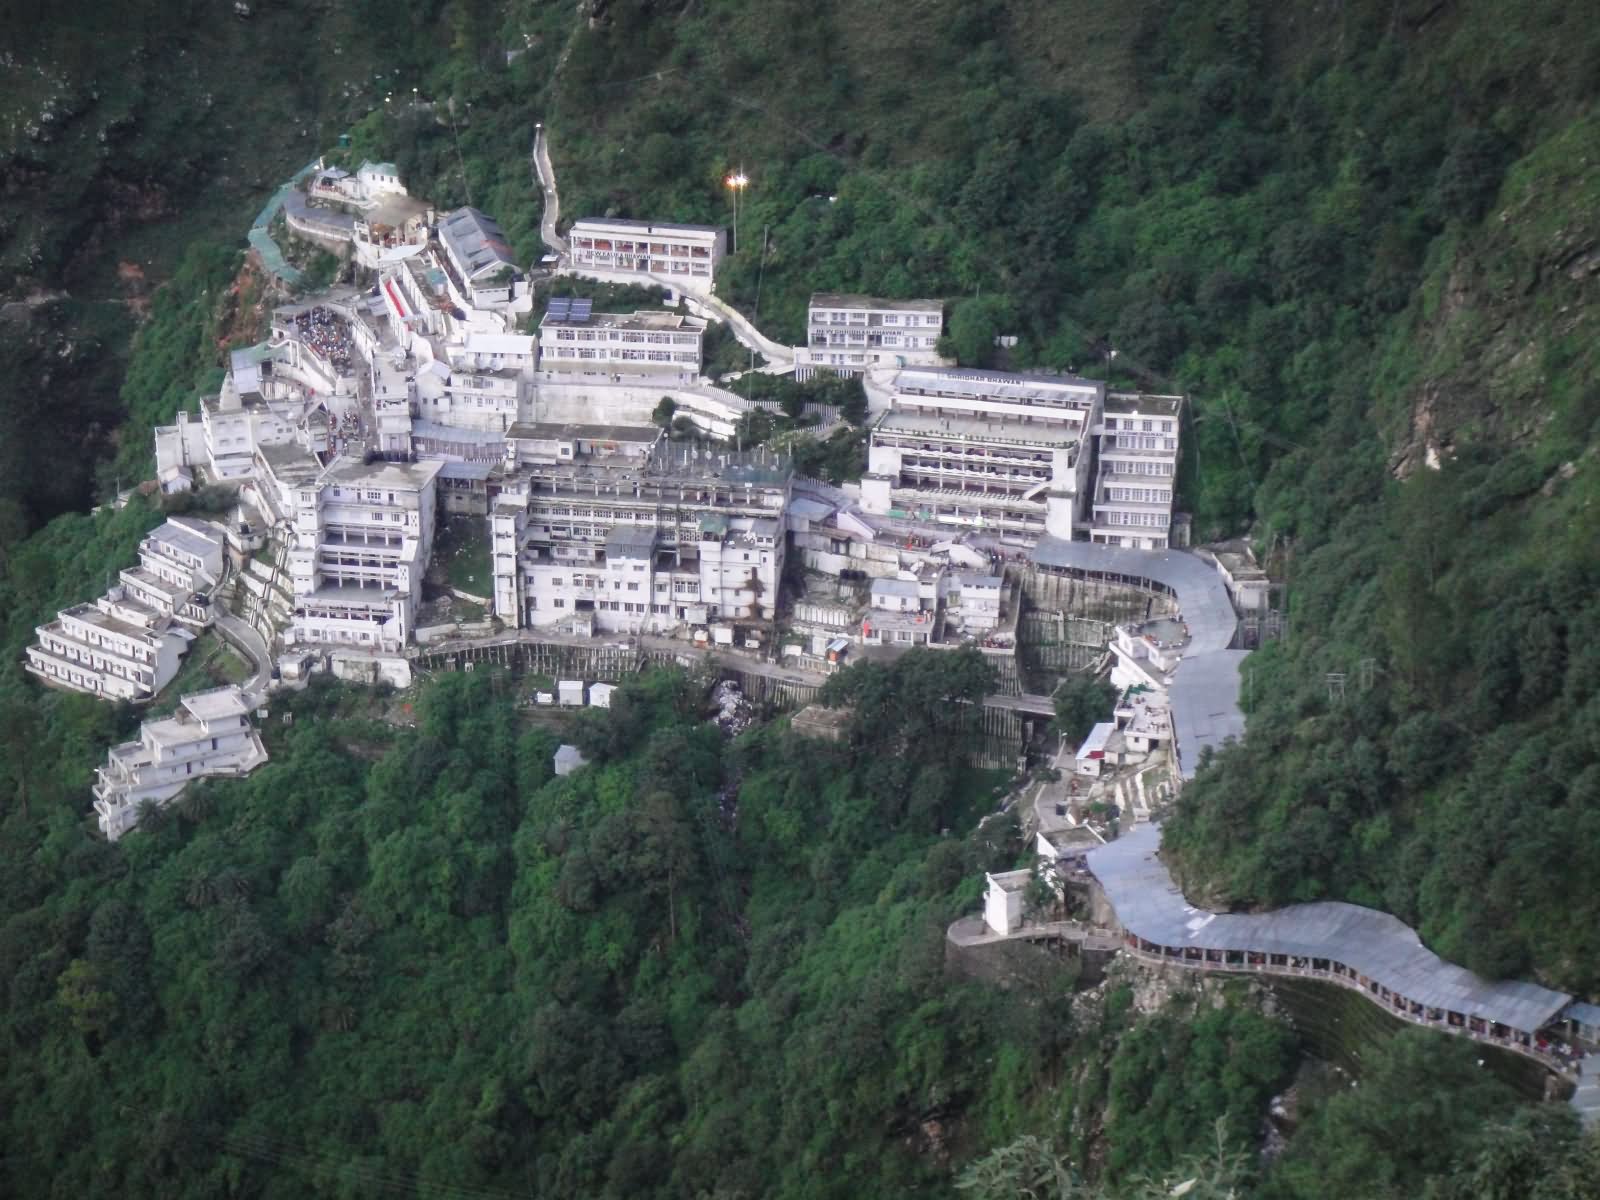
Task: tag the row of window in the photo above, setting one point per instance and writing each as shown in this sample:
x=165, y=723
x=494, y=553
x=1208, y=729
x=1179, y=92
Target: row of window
x=628, y=263
x=822, y=316
x=1146, y=466
x=1044, y=400
x=1140, y=495
x=1135, y=424
x=1130, y=441
x=893, y=342
x=625, y=335
x=1148, y=520
x=106, y=666
x=121, y=647
x=605, y=245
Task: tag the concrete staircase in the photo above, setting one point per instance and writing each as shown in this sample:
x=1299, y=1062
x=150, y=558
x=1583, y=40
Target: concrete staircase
x=264, y=597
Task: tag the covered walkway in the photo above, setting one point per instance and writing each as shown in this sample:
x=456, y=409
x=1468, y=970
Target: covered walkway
x=1355, y=947
x=1205, y=686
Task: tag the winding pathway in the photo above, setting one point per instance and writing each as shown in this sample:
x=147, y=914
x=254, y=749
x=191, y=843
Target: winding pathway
x=780, y=359
x=1361, y=949
x=545, y=175
x=245, y=638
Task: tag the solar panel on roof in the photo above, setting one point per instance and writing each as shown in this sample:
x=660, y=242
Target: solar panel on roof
x=560, y=308
x=581, y=309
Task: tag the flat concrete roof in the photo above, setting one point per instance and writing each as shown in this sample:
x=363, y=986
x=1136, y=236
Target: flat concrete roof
x=383, y=473
x=659, y=322
x=995, y=385
x=215, y=704
x=289, y=461
x=478, y=342
x=184, y=538
x=850, y=300
x=665, y=228
x=550, y=431
x=997, y=429
x=1142, y=404
x=100, y=619
x=896, y=587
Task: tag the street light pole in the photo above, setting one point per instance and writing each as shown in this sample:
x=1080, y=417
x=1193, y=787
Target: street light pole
x=737, y=181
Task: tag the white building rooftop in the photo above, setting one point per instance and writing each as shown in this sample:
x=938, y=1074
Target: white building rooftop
x=1095, y=743
x=850, y=300
x=499, y=343
x=1012, y=432
x=908, y=588
x=216, y=704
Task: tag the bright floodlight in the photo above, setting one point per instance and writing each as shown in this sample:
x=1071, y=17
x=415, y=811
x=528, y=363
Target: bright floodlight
x=738, y=179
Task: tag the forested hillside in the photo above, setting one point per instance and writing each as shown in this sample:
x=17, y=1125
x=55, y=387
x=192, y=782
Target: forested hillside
x=1365, y=243
x=410, y=959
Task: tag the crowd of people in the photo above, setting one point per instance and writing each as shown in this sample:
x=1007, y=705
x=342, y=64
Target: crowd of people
x=327, y=334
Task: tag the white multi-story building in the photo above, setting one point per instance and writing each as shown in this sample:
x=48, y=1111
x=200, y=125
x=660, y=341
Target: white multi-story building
x=210, y=735
x=127, y=644
x=851, y=334
x=362, y=537
x=639, y=343
x=370, y=183
x=973, y=602
x=979, y=448
x=644, y=535
x=115, y=648
x=482, y=399
x=1138, y=469
x=680, y=256
x=1146, y=653
x=481, y=351
x=178, y=563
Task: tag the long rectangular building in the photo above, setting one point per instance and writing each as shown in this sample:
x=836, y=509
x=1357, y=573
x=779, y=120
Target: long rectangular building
x=115, y=648
x=576, y=341
x=682, y=256
x=851, y=334
x=985, y=449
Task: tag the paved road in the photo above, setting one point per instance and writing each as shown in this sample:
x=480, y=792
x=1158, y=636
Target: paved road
x=242, y=635
x=719, y=310
x=1586, y=1100
x=546, y=175
x=780, y=358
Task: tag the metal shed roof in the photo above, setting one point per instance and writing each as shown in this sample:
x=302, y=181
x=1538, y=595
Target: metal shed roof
x=1205, y=685
x=895, y=587
x=1375, y=944
x=1583, y=1013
